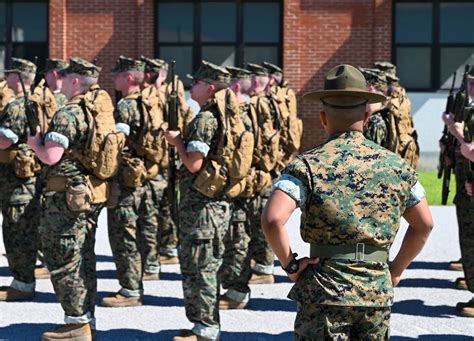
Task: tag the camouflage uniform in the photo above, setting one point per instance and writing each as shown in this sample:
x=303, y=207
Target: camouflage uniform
x=17, y=202
x=133, y=222
x=204, y=221
x=342, y=188
x=465, y=213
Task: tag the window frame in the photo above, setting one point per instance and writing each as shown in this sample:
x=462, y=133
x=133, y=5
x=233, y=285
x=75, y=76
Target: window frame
x=239, y=44
x=9, y=44
x=435, y=44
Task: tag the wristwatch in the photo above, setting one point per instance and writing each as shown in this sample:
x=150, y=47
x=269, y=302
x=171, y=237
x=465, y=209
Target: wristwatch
x=293, y=265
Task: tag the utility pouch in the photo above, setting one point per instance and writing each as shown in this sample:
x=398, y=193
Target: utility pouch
x=25, y=164
x=78, y=194
x=134, y=173
x=114, y=194
x=211, y=180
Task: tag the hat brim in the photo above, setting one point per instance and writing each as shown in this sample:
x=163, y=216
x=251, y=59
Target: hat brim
x=369, y=96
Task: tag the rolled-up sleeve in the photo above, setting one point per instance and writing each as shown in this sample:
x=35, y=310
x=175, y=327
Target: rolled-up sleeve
x=9, y=134
x=417, y=193
x=58, y=138
x=292, y=186
x=198, y=146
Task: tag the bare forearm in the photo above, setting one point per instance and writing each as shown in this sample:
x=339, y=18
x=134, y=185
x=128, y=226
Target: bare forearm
x=277, y=237
x=412, y=244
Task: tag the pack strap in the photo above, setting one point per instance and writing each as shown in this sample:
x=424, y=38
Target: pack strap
x=356, y=252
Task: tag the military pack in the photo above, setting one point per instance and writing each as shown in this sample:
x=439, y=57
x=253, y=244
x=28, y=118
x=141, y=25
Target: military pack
x=45, y=103
x=226, y=171
x=102, y=155
x=5, y=94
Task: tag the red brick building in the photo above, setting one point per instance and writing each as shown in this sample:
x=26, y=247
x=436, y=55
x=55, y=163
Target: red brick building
x=307, y=37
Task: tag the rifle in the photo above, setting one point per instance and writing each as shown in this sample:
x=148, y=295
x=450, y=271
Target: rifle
x=31, y=111
x=172, y=118
x=460, y=101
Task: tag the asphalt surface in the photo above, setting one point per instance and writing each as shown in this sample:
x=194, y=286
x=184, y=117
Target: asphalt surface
x=424, y=307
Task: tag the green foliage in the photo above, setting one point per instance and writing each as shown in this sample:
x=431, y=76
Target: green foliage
x=432, y=186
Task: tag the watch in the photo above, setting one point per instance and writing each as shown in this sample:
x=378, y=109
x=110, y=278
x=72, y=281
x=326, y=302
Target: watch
x=293, y=265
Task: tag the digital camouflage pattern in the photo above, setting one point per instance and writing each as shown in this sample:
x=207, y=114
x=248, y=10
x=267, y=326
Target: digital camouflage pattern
x=19, y=235
x=61, y=100
x=134, y=220
x=376, y=128
x=357, y=192
x=204, y=222
x=322, y=322
x=68, y=238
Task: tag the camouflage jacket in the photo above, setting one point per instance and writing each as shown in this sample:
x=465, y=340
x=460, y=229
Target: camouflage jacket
x=128, y=116
x=13, y=122
x=61, y=100
x=350, y=190
x=245, y=116
x=69, y=129
x=203, y=136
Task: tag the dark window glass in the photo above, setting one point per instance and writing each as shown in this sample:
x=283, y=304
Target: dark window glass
x=218, y=22
x=29, y=51
x=30, y=22
x=414, y=67
x=2, y=21
x=413, y=22
x=175, y=22
x=183, y=55
x=456, y=23
x=220, y=55
x=454, y=59
x=258, y=54
x=261, y=22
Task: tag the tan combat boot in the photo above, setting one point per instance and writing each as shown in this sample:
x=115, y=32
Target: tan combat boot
x=259, y=278
x=118, y=300
x=466, y=309
x=42, y=273
x=461, y=283
x=150, y=276
x=226, y=303
x=167, y=259
x=455, y=265
x=188, y=335
x=8, y=294
x=70, y=332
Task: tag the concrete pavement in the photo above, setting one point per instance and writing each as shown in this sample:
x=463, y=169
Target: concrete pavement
x=424, y=307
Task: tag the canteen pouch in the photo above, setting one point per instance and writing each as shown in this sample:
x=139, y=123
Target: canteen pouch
x=25, y=164
x=114, y=194
x=134, y=173
x=211, y=180
x=235, y=187
x=78, y=195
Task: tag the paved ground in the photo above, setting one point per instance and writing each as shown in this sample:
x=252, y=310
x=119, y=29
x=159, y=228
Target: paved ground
x=424, y=307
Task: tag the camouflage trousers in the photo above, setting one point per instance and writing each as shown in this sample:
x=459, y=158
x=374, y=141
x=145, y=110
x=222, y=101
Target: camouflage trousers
x=235, y=272
x=465, y=215
x=203, y=225
x=325, y=322
x=68, y=240
x=261, y=251
x=168, y=232
x=134, y=214
x=20, y=230
x=149, y=244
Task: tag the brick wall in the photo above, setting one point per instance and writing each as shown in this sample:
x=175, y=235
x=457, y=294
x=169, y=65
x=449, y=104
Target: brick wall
x=321, y=34
x=318, y=34
x=101, y=29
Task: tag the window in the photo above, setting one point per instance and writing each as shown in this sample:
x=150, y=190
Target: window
x=23, y=31
x=227, y=33
x=432, y=39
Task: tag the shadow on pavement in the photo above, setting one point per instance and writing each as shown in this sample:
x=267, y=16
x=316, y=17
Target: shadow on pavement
x=428, y=266
x=25, y=331
x=4, y=271
x=272, y=304
x=426, y=283
x=418, y=308
x=130, y=334
x=433, y=338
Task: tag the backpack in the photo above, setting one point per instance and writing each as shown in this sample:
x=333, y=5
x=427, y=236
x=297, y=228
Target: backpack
x=102, y=154
x=45, y=103
x=228, y=168
x=5, y=94
x=267, y=136
x=151, y=143
x=293, y=132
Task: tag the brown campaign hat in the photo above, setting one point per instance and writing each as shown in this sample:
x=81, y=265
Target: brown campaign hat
x=345, y=80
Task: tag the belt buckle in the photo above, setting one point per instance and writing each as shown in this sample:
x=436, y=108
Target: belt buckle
x=360, y=252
